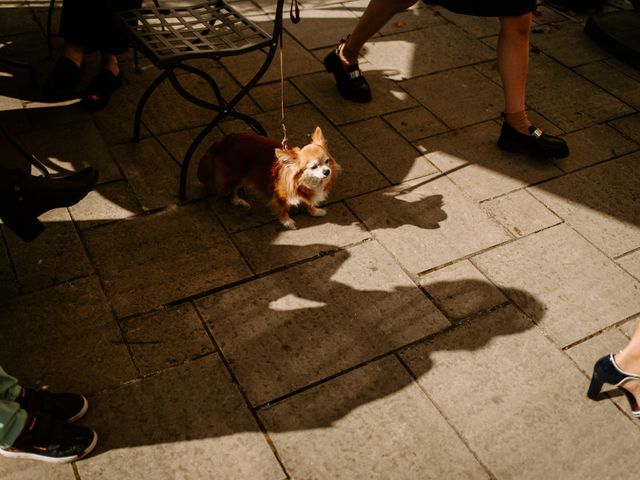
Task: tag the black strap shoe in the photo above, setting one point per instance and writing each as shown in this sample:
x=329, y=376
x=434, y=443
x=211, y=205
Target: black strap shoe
x=536, y=143
x=349, y=79
x=606, y=370
x=28, y=197
x=49, y=440
x=68, y=407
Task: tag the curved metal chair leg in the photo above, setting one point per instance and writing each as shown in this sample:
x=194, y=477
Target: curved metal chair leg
x=52, y=5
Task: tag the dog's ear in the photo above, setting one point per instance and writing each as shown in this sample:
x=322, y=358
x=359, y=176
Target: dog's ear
x=318, y=138
x=285, y=157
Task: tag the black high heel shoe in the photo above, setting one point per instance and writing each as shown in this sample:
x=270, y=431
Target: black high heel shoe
x=351, y=84
x=607, y=371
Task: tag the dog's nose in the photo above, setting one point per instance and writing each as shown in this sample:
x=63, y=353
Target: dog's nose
x=326, y=172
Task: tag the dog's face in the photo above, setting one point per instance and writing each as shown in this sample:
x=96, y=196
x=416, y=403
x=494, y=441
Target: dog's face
x=311, y=166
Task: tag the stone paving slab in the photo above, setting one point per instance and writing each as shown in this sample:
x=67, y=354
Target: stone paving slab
x=187, y=422
x=594, y=145
x=482, y=99
x=460, y=290
x=579, y=290
x=314, y=320
x=427, y=223
x=631, y=263
x=526, y=396
x=521, y=213
x=321, y=26
x=270, y=246
x=8, y=284
x=295, y=61
x=415, y=123
x=629, y=126
x=425, y=51
x=613, y=81
x=105, y=204
x=567, y=43
x=397, y=159
x=72, y=147
x=601, y=202
x=56, y=256
x=166, y=338
x=476, y=26
x=473, y=161
x=151, y=172
x=81, y=337
x=373, y=423
x=414, y=18
x=29, y=470
x=152, y=260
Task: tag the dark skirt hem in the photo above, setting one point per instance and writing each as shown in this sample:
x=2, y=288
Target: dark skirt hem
x=487, y=8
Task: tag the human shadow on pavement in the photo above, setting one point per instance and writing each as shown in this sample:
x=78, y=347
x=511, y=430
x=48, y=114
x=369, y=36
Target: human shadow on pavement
x=276, y=352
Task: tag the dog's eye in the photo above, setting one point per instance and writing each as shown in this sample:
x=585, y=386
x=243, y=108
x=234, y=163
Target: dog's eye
x=314, y=166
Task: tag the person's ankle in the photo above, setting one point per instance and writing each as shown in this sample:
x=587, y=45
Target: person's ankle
x=346, y=56
x=519, y=121
x=627, y=363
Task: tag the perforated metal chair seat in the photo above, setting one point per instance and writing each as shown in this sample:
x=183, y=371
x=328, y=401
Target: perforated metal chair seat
x=167, y=35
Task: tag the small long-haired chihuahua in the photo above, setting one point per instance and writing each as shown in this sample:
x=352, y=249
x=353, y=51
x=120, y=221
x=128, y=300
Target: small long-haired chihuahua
x=259, y=164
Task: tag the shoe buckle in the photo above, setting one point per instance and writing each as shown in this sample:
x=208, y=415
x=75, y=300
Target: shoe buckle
x=537, y=133
x=354, y=74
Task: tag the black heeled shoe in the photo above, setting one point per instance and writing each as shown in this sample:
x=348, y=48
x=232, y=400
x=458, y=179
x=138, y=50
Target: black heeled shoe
x=29, y=197
x=63, y=80
x=607, y=371
x=536, y=143
x=349, y=79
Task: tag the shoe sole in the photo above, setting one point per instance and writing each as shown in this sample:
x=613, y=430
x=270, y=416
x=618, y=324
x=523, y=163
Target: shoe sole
x=44, y=458
x=80, y=414
x=507, y=147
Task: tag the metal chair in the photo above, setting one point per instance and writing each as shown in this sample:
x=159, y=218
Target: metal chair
x=170, y=36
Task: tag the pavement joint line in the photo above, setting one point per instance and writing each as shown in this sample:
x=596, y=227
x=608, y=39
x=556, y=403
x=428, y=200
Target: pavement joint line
x=446, y=418
x=258, y=276
x=425, y=339
x=241, y=391
x=608, y=328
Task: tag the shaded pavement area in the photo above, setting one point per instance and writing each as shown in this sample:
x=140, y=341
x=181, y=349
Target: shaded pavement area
x=440, y=322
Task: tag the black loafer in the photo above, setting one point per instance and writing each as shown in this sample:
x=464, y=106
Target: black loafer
x=536, y=143
x=351, y=84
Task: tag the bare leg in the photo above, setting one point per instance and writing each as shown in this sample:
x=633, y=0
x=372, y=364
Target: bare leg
x=629, y=361
x=513, y=64
x=375, y=16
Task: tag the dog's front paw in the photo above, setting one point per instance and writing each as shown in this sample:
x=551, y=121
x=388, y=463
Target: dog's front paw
x=317, y=212
x=288, y=223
